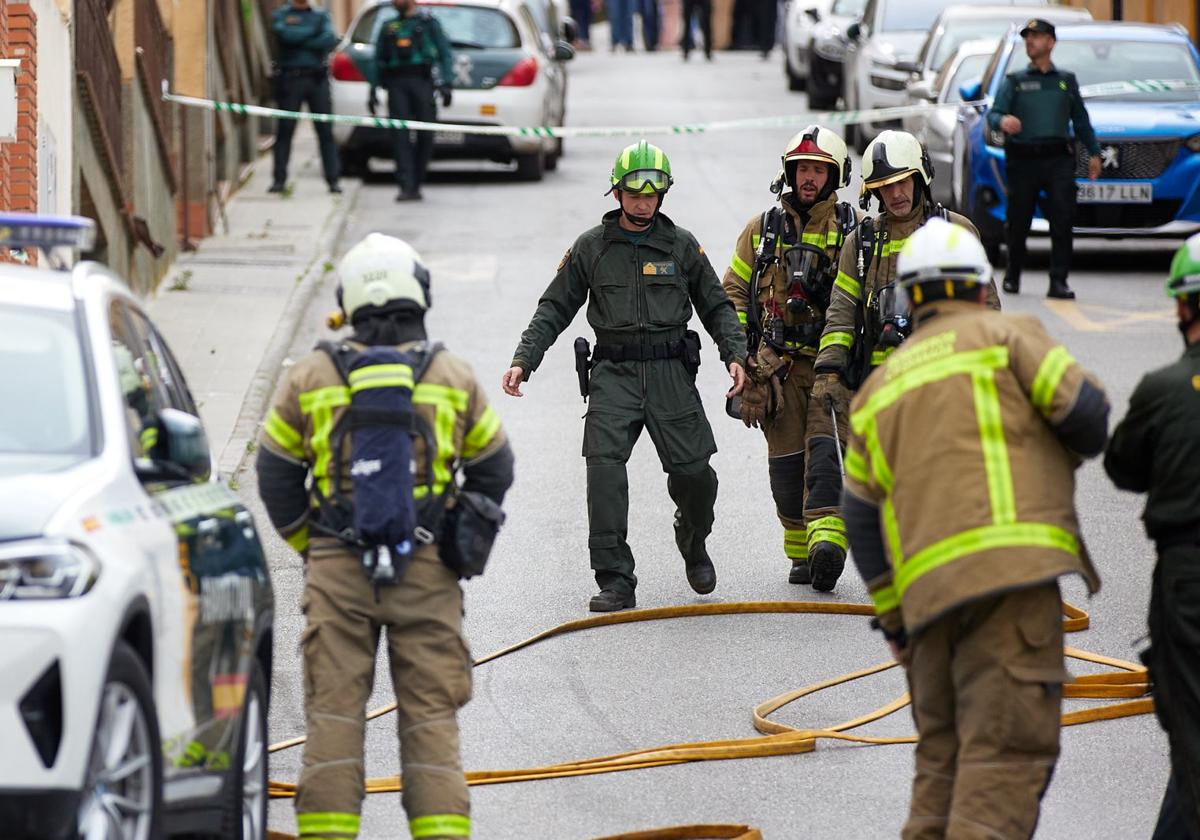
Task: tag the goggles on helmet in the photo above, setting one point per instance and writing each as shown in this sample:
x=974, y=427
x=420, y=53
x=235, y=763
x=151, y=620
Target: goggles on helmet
x=645, y=181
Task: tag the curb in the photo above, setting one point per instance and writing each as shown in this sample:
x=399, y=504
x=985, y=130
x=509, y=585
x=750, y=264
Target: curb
x=262, y=385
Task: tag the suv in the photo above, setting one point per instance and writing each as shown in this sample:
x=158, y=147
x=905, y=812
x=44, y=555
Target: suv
x=136, y=609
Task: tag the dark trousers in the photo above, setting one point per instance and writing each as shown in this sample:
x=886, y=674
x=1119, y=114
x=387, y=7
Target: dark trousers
x=648, y=11
x=411, y=98
x=581, y=10
x=295, y=90
x=702, y=9
x=1027, y=178
x=765, y=18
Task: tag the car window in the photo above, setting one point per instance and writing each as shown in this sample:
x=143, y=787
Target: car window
x=544, y=42
x=470, y=27
x=364, y=29
x=900, y=15
x=969, y=68
x=42, y=366
x=175, y=390
x=1097, y=62
x=848, y=8
x=143, y=394
x=959, y=31
x=999, y=59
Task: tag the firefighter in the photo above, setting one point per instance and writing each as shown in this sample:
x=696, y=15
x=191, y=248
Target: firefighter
x=1156, y=450
x=959, y=505
x=897, y=172
x=384, y=293
x=780, y=279
x=641, y=276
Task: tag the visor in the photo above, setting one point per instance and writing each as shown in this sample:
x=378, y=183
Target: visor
x=645, y=181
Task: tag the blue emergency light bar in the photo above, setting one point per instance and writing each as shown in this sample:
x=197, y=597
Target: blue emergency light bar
x=29, y=230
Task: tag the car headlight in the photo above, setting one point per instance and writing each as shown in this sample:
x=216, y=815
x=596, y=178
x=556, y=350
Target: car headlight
x=887, y=82
x=1193, y=143
x=38, y=570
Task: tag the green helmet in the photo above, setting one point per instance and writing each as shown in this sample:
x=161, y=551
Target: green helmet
x=1184, y=279
x=642, y=168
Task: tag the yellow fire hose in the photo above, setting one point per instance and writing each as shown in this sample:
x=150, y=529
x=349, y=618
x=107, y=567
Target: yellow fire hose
x=1125, y=680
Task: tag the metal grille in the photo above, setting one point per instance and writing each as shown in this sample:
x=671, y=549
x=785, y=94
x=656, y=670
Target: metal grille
x=1150, y=215
x=1138, y=159
x=96, y=61
x=154, y=42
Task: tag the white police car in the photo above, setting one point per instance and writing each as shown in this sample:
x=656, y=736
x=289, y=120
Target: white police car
x=135, y=604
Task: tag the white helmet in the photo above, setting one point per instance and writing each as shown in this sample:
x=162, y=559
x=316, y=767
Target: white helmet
x=379, y=270
x=892, y=157
x=945, y=254
x=820, y=144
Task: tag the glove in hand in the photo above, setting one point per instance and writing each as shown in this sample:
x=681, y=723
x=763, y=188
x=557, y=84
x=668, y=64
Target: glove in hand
x=445, y=91
x=829, y=390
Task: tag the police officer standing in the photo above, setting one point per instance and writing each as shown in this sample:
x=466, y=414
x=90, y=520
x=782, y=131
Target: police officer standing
x=384, y=293
x=779, y=279
x=1156, y=450
x=959, y=504
x=641, y=276
x=1033, y=108
x=305, y=36
x=408, y=47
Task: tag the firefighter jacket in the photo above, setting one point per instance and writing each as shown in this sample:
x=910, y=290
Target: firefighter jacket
x=1156, y=448
x=311, y=400
x=844, y=321
x=305, y=37
x=819, y=227
x=637, y=293
x=966, y=440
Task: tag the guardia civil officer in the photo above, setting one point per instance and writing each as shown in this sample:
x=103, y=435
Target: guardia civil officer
x=1034, y=109
x=859, y=333
x=959, y=504
x=384, y=293
x=305, y=35
x=1156, y=450
x=641, y=275
x=779, y=279
x=406, y=52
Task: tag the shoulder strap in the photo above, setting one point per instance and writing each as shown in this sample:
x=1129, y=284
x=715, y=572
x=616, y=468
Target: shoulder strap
x=846, y=220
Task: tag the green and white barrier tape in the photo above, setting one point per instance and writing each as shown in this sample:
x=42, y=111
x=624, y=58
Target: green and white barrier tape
x=798, y=118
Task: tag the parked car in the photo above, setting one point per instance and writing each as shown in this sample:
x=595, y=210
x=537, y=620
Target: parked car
x=880, y=49
x=800, y=16
x=828, y=54
x=1150, y=139
x=508, y=71
x=935, y=128
x=136, y=609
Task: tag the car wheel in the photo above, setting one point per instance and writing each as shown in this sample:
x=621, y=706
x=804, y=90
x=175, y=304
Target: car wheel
x=530, y=167
x=245, y=815
x=552, y=158
x=819, y=100
x=353, y=164
x=122, y=790
x=795, y=82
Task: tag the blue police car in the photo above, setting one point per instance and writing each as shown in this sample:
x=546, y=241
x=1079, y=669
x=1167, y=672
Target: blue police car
x=1141, y=86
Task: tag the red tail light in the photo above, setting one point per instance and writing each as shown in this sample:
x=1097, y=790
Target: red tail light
x=345, y=70
x=522, y=74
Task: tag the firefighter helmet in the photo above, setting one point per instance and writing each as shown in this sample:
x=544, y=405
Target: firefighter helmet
x=942, y=260
x=1184, y=279
x=892, y=157
x=820, y=144
x=642, y=168
x=381, y=270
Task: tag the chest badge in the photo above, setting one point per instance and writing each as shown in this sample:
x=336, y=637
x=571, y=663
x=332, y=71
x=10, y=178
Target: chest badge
x=658, y=269
x=404, y=42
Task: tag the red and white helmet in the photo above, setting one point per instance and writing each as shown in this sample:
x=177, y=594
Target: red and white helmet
x=813, y=142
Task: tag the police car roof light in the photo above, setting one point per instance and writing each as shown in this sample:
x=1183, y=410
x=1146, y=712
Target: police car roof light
x=30, y=230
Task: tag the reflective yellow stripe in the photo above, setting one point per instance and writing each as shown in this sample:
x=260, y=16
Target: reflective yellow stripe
x=848, y=285
x=742, y=318
x=878, y=356
x=482, y=433
x=148, y=438
x=823, y=240
x=893, y=247
x=299, y=540
x=795, y=543
x=829, y=529
x=278, y=429
x=326, y=823
x=625, y=157
x=320, y=403
x=1016, y=535
x=885, y=599
x=658, y=158
x=456, y=398
x=879, y=464
x=740, y=267
x=440, y=825
x=841, y=339
x=995, y=450
x=891, y=532
x=856, y=466
x=380, y=376
x=1049, y=377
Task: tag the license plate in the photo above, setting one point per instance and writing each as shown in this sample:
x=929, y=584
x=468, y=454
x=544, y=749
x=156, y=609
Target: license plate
x=449, y=138
x=1110, y=192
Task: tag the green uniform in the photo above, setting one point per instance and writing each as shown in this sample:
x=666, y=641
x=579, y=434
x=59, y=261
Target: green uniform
x=305, y=38
x=1156, y=450
x=414, y=41
x=640, y=291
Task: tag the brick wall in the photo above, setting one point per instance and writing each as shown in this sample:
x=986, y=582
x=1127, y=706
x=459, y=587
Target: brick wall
x=18, y=160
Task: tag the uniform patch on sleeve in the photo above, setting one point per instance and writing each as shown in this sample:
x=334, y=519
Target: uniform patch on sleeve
x=659, y=269
x=566, y=258
x=1196, y=382
x=701, y=247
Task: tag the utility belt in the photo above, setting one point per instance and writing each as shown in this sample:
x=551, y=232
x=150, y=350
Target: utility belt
x=1172, y=537
x=637, y=352
x=1050, y=148
x=406, y=71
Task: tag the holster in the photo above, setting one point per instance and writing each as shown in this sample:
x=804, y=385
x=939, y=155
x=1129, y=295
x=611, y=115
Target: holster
x=691, y=352
x=583, y=365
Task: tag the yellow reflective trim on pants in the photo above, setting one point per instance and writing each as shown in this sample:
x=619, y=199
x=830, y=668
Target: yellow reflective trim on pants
x=482, y=433
x=741, y=268
x=380, y=376
x=299, y=540
x=327, y=823
x=885, y=599
x=1049, y=377
x=795, y=543
x=856, y=466
x=842, y=339
x=742, y=318
x=848, y=285
x=995, y=450
x=830, y=529
x=440, y=825
x=976, y=540
x=280, y=431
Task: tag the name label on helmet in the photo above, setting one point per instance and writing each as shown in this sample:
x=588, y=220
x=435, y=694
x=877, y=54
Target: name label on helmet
x=659, y=269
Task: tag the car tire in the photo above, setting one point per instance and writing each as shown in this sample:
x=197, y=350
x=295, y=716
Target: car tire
x=531, y=167
x=126, y=714
x=245, y=810
x=353, y=164
x=552, y=158
x=795, y=81
x=819, y=100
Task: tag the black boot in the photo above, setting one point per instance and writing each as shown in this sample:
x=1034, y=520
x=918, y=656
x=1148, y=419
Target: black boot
x=610, y=600
x=701, y=575
x=1012, y=285
x=1060, y=290
x=827, y=561
x=800, y=573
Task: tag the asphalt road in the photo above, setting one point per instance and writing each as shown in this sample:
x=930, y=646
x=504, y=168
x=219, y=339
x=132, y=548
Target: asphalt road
x=493, y=245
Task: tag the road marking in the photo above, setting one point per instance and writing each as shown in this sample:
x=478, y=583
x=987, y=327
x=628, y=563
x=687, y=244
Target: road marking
x=1104, y=318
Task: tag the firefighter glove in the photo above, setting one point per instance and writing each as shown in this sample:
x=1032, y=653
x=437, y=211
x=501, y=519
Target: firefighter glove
x=372, y=102
x=829, y=390
x=445, y=92
x=756, y=400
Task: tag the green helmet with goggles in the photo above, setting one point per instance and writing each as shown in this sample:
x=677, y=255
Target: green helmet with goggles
x=642, y=168
x=1184, y=279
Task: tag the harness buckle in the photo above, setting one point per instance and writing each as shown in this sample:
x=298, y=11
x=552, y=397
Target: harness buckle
x=423, y=535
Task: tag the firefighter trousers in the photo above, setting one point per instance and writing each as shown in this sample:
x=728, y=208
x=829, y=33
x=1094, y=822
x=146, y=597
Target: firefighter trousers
x=624, y=398
x=823, y=475
x=431, y=676
x=786, y=435
x=986, y=683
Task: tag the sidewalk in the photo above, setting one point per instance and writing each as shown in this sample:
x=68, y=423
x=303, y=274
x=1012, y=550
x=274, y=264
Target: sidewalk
x=230, y=309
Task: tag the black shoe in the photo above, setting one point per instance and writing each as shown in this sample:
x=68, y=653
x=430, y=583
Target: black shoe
x=1060, y=290
x=827, y=561
x=707, y=54
x=701, y=575
x=409, y=195
x=800, y=573
x=686, y=53
x=1013, y=287
x=609, y=600
x=335, y=188
x=276, y=187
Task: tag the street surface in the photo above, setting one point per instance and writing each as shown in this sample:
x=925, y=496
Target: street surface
x=493, y=244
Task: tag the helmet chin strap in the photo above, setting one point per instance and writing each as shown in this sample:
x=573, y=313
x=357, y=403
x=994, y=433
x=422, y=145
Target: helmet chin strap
x=642, y=221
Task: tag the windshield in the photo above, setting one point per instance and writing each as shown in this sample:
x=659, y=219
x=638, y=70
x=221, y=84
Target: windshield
x=469, y=27
x=969, y=68
x=41, y=364
x=960, y=31
x=916, y=15
x=848, y=8
x=1096, y=62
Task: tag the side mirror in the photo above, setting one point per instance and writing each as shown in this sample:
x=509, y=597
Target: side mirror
x=922, y=89
x=182, y=444
x=908, y=66
x=854, y=31
x=815, y=14
x=563, y=51
x=971, y=90
x=570, y=30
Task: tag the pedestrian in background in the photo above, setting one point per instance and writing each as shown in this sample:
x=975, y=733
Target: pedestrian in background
x=301, y=77
x=581, y=10
x=1156, y=450
x=648, y=11
x=620, y=22
x=408, y=48
x=766, y=20
x=1033, y=109
x=960, y=508
x=701, y=9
